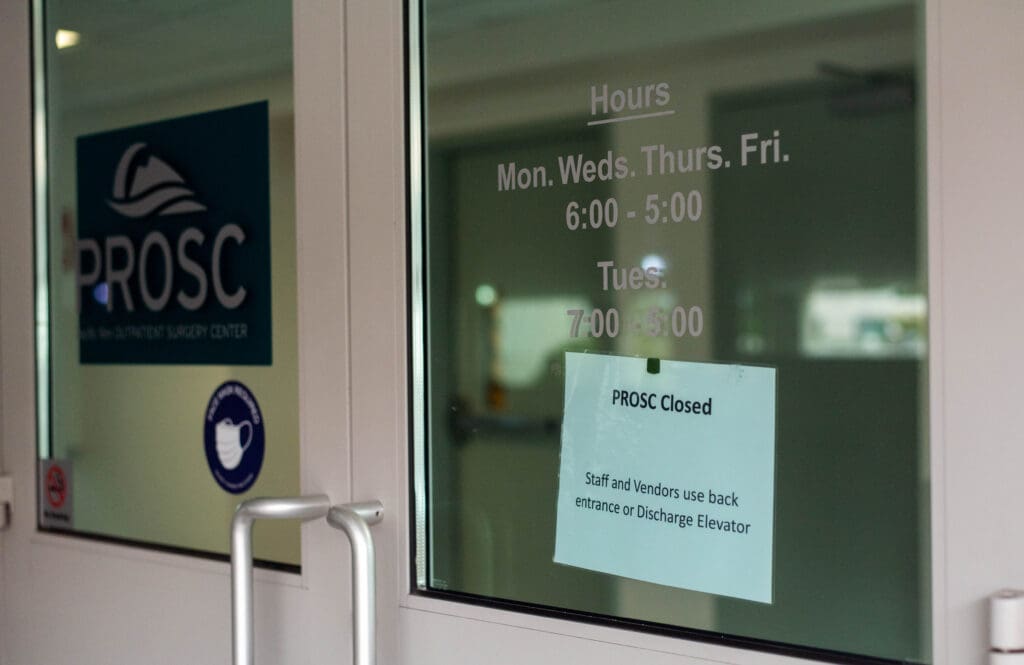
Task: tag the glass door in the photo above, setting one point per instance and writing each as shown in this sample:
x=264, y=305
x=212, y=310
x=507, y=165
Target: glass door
x=663, y=289
x=417, y=387
x=184, y=293
x=540, y=140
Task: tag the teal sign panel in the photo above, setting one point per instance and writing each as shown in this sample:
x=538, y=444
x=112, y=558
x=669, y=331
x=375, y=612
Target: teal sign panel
x=668, y=473
x=173, y=262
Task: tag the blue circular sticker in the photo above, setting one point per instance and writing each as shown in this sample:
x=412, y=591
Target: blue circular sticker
x=233, y=437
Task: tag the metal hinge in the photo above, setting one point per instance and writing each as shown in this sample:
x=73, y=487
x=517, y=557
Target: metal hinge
x=6, y=501
x=1006, y=616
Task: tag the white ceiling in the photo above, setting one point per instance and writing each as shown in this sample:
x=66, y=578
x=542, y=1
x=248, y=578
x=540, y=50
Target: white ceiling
x=448, y=16
x=132, y=48
x=136, y=48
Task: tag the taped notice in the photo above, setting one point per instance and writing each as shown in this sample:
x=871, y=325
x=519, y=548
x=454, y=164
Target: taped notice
x=669, y=477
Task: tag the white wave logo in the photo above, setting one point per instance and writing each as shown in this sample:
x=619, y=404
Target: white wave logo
x=146, y=185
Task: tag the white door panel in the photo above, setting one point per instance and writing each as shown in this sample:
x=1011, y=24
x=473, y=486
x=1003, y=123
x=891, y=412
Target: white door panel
x=432, y=638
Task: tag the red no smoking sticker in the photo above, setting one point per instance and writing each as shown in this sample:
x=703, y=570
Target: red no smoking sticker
x=56, y=487
x=55, y=494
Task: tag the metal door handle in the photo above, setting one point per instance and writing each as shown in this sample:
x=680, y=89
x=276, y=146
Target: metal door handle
x=292, y=508
x=354, y=519
x=1006, y=627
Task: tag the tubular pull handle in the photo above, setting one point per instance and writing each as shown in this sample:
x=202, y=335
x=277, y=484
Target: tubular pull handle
x=354, y=519
x=303, y=508
x=1006, y=627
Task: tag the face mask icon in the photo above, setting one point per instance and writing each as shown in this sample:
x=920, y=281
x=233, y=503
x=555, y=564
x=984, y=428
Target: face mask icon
x=230, y=446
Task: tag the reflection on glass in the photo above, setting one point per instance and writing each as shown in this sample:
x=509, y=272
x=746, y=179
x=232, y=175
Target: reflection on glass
x=133, y=432
x=530, y=335
x=863, y=322
x=756, y=166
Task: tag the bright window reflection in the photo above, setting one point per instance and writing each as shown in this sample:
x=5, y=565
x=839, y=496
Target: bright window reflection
x=530, y=336
x=869, y=323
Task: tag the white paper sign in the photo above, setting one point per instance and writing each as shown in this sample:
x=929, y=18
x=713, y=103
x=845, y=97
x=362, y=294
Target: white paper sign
x=669, y=477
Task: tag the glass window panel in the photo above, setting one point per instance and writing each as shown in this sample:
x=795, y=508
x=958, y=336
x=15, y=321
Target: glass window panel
x=809, y=258
x=131, y=423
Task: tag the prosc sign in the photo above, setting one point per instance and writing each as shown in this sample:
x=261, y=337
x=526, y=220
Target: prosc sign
x=669, y=477
x=173, y=251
